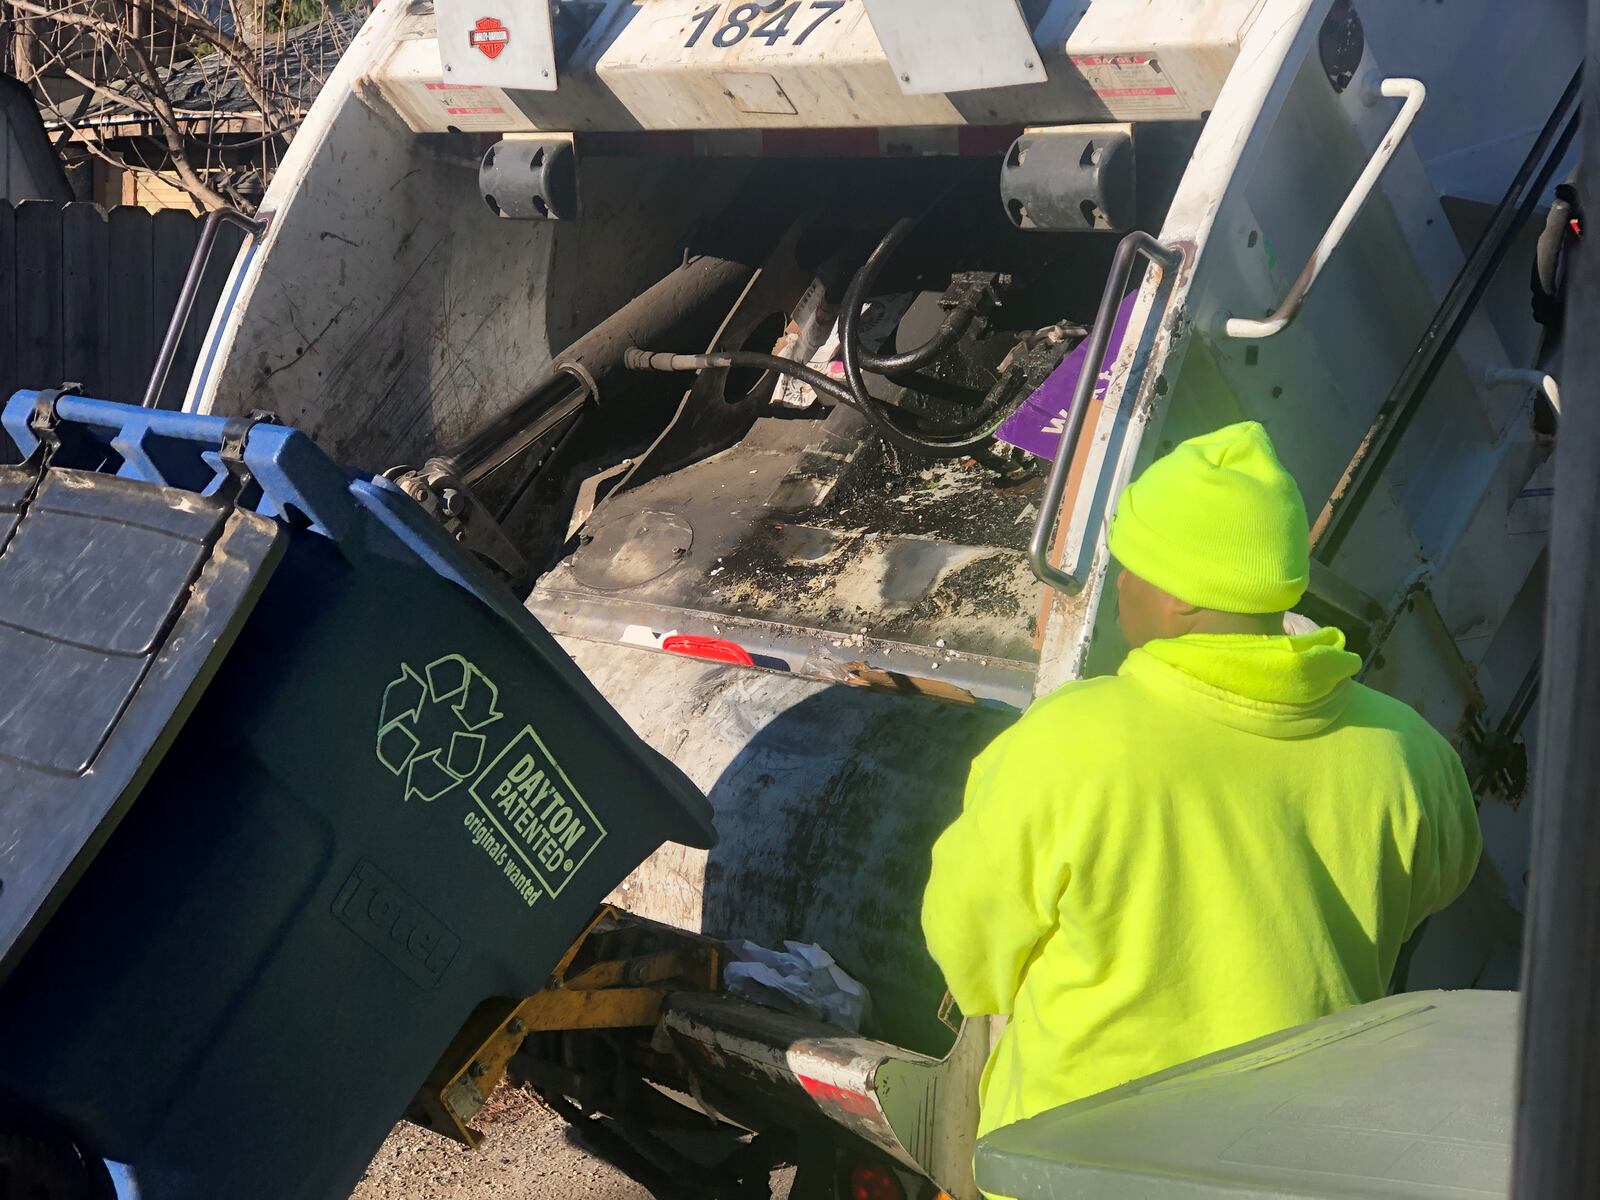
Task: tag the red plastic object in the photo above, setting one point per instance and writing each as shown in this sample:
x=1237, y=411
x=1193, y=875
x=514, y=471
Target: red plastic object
x=711, y=649
x=871, y=1181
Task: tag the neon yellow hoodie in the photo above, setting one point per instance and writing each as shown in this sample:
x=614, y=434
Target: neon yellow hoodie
x=1229, y=837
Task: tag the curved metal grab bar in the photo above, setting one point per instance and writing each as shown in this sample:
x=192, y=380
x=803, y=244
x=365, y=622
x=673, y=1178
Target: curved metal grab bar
x=1136, y=244
x=1414, y=93
x=214, y=222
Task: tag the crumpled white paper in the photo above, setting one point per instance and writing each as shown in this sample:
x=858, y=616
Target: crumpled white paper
x=801, y=978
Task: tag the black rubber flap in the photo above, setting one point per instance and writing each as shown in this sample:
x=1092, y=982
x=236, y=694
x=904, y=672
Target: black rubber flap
x=117, y=600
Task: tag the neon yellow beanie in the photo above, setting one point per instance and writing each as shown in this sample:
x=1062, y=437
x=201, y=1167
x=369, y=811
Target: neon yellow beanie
x=1217, y=523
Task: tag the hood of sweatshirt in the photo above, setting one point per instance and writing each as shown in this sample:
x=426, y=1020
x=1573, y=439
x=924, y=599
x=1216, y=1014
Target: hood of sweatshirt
x=1276, y=686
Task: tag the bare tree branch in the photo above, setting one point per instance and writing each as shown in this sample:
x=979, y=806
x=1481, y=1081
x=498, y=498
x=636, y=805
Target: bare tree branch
x=244, y=59
x=166, y=122
x=129, y=57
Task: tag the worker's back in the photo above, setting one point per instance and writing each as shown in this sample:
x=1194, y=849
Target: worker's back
x=1228, y=838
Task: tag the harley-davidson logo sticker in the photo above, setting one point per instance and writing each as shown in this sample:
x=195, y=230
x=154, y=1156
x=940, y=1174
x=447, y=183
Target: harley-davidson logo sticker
x=489, y=37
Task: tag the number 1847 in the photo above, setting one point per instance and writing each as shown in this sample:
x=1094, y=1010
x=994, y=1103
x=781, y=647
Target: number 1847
x=741, y=23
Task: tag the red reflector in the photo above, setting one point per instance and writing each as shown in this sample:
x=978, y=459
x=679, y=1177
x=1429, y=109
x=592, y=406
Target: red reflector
x=712, y=649
x=831, y=1093
x=870, y=1181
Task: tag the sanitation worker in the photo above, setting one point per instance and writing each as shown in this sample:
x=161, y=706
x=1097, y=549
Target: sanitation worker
x=1228, y=837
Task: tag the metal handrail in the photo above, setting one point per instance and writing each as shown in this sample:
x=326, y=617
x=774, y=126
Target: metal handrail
x=1136, y=244
x=212, y=225
x=1528, y=377
x=1413, y=93
x=1382, y=438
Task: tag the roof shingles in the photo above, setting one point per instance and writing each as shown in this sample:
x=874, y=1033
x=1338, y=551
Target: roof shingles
x=294, y=66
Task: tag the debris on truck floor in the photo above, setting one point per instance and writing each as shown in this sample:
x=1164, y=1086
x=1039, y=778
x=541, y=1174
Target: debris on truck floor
x=812, y=548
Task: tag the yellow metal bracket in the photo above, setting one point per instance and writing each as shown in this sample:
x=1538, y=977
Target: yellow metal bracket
x=617, y=975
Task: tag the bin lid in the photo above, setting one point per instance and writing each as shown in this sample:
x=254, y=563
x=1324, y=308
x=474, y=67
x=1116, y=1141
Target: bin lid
x=117, y=602
x=1408, y=1097
x=134, y=544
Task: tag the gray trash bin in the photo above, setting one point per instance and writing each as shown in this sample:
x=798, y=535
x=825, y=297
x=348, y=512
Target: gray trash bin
x=1408, y=1097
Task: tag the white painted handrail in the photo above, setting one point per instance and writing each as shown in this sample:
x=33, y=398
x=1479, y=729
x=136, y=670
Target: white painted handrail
x=1526, y=377
x=1413, y=93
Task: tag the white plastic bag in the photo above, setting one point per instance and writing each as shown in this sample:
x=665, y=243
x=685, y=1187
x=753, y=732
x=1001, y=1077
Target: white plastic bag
x=801, y=978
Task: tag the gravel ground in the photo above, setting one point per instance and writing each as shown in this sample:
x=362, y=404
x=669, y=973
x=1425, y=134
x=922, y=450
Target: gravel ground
x=525, y=1153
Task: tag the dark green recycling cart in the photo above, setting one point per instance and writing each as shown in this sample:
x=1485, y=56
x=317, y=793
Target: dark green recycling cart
x=287, y=788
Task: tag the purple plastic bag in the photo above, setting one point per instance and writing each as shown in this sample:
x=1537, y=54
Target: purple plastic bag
x=1037, y=426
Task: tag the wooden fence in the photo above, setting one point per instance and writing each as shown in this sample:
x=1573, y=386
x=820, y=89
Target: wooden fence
x=86, y=295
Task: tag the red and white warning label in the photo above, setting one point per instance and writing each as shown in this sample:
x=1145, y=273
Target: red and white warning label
x=473, y=109
x=1132, y=85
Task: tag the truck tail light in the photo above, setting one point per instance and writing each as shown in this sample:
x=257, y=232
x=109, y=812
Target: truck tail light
x=874, y=1181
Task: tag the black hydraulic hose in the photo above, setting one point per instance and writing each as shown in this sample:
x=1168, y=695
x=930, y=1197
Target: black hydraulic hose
x=649, y=360
x=1549, y=249
x=646, y=360
x=950, y=331
x=1547, y=299
x=880, y=414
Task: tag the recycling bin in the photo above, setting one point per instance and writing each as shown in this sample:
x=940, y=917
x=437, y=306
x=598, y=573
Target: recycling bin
x=288, y=787
x=1406, y=1098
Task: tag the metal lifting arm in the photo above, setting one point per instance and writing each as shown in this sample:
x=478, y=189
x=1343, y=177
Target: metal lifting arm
x=1413, y=93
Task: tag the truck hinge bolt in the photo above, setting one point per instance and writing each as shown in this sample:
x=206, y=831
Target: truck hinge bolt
x=477, y=1070
x=517, y=1025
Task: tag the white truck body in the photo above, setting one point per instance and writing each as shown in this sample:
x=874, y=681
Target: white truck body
x=387, y=310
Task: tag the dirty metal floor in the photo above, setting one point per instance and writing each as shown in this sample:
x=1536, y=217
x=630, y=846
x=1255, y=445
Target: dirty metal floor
x=817, y=527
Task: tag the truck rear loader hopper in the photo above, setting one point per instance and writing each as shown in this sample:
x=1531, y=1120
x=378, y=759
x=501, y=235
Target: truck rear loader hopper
x=821, y=631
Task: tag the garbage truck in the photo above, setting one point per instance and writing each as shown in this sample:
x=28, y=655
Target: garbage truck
x=784, y=362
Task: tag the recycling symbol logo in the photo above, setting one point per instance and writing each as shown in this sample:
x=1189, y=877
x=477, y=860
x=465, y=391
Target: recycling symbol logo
x=430, y=732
